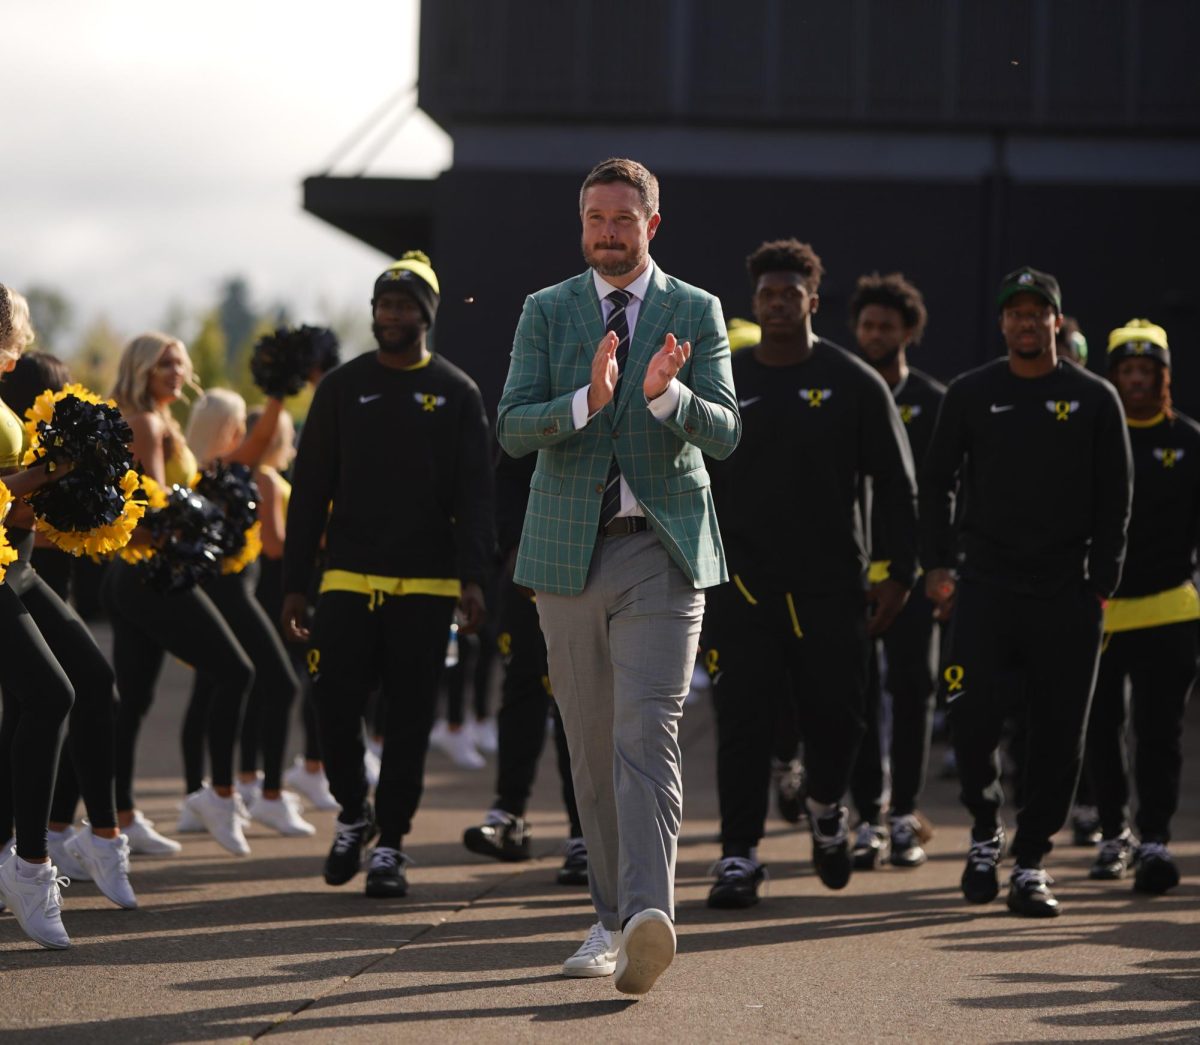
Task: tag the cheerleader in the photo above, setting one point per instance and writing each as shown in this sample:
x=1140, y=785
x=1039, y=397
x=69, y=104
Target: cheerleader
x=153, y=371
x=217, y=433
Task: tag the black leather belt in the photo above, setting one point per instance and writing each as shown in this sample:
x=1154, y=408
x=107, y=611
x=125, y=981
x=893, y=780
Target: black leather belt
x=625, y=525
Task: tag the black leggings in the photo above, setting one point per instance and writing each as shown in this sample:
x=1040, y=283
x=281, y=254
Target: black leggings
x=90, y=742
x=37, y=699
x=146, y=625
x=269, y=592
x=265, y=721
x=355, y=643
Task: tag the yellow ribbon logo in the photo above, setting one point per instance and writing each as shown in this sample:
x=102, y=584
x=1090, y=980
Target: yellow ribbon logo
x=815, y=395
x=504, y=643
x=1168, y=458
x=906, y=414
x=954, y=677
x=1062, y=410
x=314, y=662
x=429, y=403
x=546, y=685
x=710, y=661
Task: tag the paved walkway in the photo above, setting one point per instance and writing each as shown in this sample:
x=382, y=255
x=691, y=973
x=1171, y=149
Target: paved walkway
x=225, y=949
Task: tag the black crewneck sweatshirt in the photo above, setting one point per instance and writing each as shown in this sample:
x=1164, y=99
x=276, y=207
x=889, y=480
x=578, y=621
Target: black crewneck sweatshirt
x=1043, y=466
x=789, y=497
x=403, y=455
x=1165, y=527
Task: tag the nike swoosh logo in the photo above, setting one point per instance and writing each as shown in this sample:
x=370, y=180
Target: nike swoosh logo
x=749, y=402
x=951, y=699
x=1001, y=409
x=367, y=399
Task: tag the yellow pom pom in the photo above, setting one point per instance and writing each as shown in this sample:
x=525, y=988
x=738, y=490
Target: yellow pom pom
x=250, y=551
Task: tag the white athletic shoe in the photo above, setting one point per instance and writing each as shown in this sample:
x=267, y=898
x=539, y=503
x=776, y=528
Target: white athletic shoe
x=647, y=949
x=282, y=814
x=4, y=855
x=188, y=823
x=313, y=786
x=484, y=735
x=597, y=956
x=145, y=841
x=106, y=861
x=36, y=901
x=249, y=790
x=62, y=858
x=220, y=818
x=457, y=744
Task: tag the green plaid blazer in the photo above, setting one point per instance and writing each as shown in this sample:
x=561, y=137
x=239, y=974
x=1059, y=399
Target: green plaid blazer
x=662, y=461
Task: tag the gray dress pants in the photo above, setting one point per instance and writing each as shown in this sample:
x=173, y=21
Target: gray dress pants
x=621, y=656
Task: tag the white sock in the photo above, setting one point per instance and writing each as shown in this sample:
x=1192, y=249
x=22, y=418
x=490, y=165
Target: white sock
x=56, y=835
x=820, y=810
x=27, y=870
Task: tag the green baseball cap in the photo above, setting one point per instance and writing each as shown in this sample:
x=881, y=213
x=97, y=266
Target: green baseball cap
x=1028, y=280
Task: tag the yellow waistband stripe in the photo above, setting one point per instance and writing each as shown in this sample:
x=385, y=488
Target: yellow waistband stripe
x=1172, y=606
x=745, y=593
x=792, y=613
x=376, y=588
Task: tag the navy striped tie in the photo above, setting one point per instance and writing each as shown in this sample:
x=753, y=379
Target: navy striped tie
x=610, y=504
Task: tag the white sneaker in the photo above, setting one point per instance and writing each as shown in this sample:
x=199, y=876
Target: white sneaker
x=188, y=823
x=282, y=814
x=145, y=841
x=597, y=956
x=249, y=790
x=36, y=901
x=458, y=745
x=7, y=852
x=484, y=735
x=371, y=763
x=647, y=949
x=220, y=818
x=313, y=786
x=62, y=858
x=107, y=863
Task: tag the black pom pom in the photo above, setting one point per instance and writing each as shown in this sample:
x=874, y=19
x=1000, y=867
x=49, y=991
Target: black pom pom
x=94, y=439
x=283, y=360
x=189, y=535
x=232, y=490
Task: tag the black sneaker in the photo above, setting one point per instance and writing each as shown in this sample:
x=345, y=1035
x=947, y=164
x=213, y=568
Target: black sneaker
x=980, y=881
x=574, y=870
x=1029, y=894
x=907, y=833
x=737, y=882
x=868, y=846
x=345, y=855
x=1156, y=870
x=1113, y=857
x=790, y=789
x=1085, y=826
x=831, y=848
x=501, y=836
x=385, y=873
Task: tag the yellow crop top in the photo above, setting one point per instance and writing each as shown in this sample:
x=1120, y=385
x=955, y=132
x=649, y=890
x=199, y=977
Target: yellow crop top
x=181, y=468
x=14, y=440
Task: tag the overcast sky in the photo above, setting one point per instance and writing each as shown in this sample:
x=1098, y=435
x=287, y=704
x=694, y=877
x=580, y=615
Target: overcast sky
x=150, y=149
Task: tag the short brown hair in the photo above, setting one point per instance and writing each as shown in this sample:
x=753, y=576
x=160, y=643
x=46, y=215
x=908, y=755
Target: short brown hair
x=786, y=255
x=890, y=291
x=631, y=173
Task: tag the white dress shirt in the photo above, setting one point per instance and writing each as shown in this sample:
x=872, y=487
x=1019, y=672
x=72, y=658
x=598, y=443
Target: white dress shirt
x=662, y=407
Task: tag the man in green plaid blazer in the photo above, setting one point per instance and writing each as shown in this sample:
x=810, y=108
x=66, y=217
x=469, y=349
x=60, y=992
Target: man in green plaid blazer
x=620, y=380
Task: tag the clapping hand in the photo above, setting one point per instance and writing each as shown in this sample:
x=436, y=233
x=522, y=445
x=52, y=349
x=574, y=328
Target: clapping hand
x=665, y=365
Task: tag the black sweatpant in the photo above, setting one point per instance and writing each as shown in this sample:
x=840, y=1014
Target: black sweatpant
x=1160, y=664
x=356, y=641
x=525, y=701
x=757, y=660
x=90, y=764
x=269, y=704
x=1052, y=644
x=37, y=699
x=148, y=624
x=908, y=677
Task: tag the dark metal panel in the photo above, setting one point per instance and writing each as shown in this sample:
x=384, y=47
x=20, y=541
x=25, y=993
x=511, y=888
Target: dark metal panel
x=995, y=82
x=817, y=63
x=734, y=38
x=906, y=61
x=1169, y=81
x=1088, y=55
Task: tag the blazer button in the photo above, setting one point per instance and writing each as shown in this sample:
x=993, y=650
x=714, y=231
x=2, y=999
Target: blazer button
x=599, y=488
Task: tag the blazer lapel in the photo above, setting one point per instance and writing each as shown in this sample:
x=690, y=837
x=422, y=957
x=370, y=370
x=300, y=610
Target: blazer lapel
x=653, y=319
x=586, y=316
